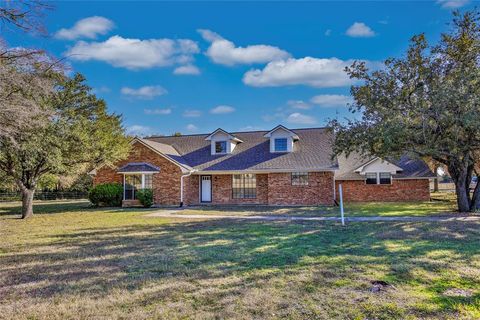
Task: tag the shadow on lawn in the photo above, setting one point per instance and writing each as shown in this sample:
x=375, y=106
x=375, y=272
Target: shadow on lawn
x=13, y=209
x=95, y=261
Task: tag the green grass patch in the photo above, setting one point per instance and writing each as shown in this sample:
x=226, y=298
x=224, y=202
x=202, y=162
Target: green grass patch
x=74, y=261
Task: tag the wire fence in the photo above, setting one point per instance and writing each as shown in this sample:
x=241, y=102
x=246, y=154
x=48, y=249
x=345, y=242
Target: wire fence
x=45, y=195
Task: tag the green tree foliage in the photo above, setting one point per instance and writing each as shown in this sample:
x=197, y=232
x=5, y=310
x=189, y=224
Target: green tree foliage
x=76, y=131
x=106, y=195
x=426, y=104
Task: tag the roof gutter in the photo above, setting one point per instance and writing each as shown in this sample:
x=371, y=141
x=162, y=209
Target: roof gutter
x=182, y=183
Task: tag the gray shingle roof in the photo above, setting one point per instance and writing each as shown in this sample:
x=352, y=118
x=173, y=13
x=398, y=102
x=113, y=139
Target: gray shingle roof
x=138, y=167
x=412, y=168
x=311, y=152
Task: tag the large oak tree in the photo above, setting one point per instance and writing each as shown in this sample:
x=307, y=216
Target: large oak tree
x=426, y=104
x=75, y=130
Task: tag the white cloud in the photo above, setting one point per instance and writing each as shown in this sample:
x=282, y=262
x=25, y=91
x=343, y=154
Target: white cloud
x=299, y=104
x=187, y=69
x=222, y=109
x=452, y=4
x=192, y=127
x=328, y=32
x=192, y=113
x=135, y=53
x=225, y=52
x=299, y=118
x=360, y=30
x=331, y=100
x=146, y=92
x=86, y=28
x=158, y=111
x=140, y=131
x=320, y=73
x=251, y=128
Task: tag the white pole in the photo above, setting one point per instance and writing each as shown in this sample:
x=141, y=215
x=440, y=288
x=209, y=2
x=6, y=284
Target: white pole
x=341, y=203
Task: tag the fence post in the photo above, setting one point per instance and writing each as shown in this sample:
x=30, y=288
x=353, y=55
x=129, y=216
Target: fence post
x=341, y=203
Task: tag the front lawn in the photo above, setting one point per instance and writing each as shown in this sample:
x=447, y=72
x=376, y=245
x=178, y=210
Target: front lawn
x=71, y=261
x=442, y=204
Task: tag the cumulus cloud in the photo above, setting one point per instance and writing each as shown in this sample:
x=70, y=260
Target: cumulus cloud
x=146, y=92
x=158, y=111
x=360, y=30
x=140, y=131
x=188, y=69
x=88, y=28
x=299, y=118
x=299, y=104
x=452, y=4
x=320, y=73
x=135, y=54
x=225, y=52
x=192, y=113
x=222, y=109
x=331, y=100
x=192, y=127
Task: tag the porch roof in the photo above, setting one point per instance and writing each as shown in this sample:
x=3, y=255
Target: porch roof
x=138, y=167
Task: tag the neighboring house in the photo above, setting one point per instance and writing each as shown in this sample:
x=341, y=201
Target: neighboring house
x=278, y=167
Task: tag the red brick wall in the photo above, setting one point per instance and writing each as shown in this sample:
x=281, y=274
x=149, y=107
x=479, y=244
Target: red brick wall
x=166, y=183
x=222, y=190
x=318, y=192
x=399, y=190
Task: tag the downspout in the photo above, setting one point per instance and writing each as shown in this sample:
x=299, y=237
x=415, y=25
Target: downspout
x=181, y=185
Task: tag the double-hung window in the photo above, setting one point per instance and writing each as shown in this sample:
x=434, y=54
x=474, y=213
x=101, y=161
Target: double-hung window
x=244, y=186
x=299, y=178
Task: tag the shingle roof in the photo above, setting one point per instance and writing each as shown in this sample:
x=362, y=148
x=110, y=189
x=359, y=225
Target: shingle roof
x=138, y=167
x=311, y=152
x=412, y=168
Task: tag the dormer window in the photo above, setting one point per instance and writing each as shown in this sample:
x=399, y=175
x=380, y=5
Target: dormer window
x=222, y=142
x=220, y=147
x=281, y=139
x=281, y=145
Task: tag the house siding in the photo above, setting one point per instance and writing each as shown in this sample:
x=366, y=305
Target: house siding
x=399, y=190
x=166, y=183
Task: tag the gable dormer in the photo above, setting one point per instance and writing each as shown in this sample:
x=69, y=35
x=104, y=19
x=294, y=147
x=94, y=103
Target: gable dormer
x=222, y=142
x=378, y=165
x=281, y=139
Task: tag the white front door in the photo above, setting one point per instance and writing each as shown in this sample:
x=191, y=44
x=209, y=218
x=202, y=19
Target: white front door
x=206, y=188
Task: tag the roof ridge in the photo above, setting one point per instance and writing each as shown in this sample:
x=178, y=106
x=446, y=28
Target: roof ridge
x=232, y=132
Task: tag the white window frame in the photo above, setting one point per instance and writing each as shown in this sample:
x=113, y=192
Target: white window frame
x=275, y=144
x=377, y=174
x=143, y=182
x=215, y=146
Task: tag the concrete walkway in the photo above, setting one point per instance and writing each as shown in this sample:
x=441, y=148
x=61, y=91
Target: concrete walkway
x=174, y=214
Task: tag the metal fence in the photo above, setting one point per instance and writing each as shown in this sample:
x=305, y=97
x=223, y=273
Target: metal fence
x=44, y=195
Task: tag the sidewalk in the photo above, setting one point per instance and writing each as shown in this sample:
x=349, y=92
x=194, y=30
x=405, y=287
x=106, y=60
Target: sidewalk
x=173, y=214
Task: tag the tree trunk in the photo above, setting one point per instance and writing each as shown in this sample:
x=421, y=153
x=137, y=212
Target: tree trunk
x=27, y=202
x=460, y=176
x=435, y=181
x=475, y=204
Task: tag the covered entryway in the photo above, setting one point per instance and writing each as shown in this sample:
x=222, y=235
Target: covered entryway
x=205, y=188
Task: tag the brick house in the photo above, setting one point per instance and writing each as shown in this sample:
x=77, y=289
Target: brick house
x=278, y=167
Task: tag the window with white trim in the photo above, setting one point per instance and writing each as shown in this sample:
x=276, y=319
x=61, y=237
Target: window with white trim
x=299, y=178
x=135, y=182
x=220, y=146
x=280, y=144
x=378, y=178
x=385, y=178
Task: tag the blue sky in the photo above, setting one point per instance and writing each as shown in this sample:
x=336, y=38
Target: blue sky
x=194, y=67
